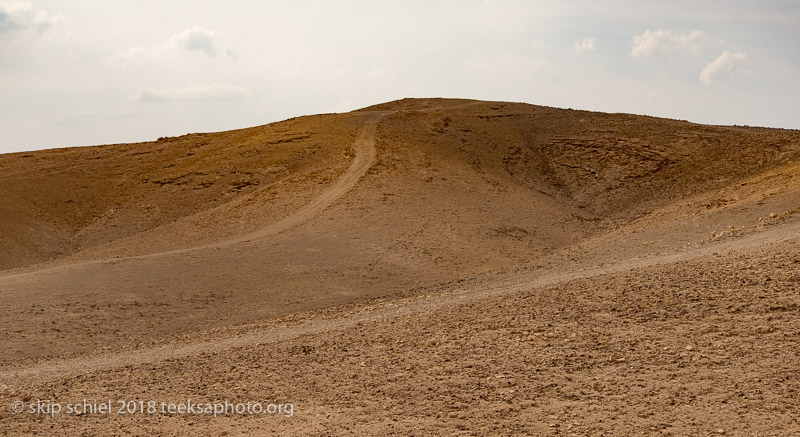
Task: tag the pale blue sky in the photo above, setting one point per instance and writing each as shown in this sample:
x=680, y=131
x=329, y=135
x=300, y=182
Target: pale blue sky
x=97, y=72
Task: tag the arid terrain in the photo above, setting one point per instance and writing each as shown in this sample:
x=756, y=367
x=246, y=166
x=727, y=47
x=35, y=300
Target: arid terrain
x=418, y=267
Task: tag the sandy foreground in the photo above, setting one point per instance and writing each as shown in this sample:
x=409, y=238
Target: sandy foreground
x=422, y=267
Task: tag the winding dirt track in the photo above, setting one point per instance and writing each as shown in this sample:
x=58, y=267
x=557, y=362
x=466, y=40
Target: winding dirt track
x=365, y=155
x=54, y=369
x=364, y=149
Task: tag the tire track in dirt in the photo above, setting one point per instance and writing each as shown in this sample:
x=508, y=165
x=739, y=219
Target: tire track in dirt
x=54, y=369
x=365, y=153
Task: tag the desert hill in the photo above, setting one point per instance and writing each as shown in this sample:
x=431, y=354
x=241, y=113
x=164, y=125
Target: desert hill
x=207, y=230
x=602, y=168
x=433, y=266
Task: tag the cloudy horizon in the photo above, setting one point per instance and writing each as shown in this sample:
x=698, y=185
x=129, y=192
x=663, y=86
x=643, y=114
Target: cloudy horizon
x=92, y=72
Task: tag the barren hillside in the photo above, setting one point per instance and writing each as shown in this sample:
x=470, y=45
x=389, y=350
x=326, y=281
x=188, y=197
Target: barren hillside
x=550, y=268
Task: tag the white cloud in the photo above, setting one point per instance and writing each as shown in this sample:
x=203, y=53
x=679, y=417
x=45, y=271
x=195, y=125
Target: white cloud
x=20, y=15
x=662, y=41
x=723, y=67
x=214, y=91
x=585, y=45
x=195, y=39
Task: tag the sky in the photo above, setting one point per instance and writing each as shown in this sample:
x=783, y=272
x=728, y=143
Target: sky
x=101, y=72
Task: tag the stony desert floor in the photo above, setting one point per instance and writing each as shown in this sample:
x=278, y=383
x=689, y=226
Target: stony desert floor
x=420, y=267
